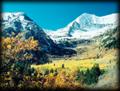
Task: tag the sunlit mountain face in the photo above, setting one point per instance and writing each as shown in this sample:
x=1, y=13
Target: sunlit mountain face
x=85, y=26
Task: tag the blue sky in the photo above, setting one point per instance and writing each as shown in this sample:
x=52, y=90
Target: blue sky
x=54, y=15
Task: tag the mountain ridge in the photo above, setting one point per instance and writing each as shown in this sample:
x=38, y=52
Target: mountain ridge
x=85, y=25
x=20, y=22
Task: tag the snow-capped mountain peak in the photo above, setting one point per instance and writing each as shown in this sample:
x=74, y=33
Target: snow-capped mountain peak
x=11, y=16
x=86, y=19
x=86, y=26
x=15, y=23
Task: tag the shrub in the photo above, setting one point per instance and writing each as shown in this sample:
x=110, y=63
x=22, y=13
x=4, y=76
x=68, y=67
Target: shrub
x=90, y=76
x=45, y=71
x=80, y=76
x=51, y=70
x=63, y=66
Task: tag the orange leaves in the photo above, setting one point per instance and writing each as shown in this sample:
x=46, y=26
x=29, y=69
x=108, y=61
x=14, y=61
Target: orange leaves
x=13, y=46
x=19, y=44
x=31, y=44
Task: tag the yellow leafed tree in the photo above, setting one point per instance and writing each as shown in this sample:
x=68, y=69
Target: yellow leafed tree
x=14, y=49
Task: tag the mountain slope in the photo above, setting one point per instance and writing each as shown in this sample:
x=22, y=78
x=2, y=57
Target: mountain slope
x=19, y=22
x=110, y=39
x=85, y=26
x=14, y=23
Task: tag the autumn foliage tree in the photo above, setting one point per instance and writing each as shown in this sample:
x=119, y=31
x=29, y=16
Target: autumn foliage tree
x=16, y=49
x=16, y=52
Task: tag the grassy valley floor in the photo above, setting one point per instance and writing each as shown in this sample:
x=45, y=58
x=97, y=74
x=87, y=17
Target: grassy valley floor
x=87, y=56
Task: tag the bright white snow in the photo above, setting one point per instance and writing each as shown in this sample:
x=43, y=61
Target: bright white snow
x=92, y=24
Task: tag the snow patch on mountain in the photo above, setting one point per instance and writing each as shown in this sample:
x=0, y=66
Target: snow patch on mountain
x=18, y=22
x=85, y=26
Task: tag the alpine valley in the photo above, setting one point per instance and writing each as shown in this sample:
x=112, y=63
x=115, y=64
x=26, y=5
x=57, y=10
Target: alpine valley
x=83, y=54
